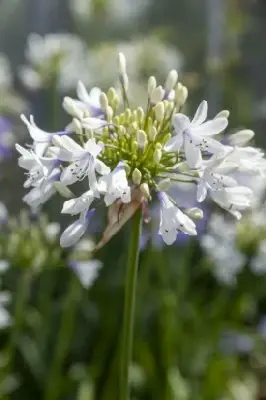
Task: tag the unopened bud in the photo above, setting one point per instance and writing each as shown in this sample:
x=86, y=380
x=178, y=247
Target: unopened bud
x=241, y=138
x=140, y=114
x=151, y=85
x=77, y=126
x=127, y=114
x=223, y=114
x=122, y=65
x=157, y=95
x=164, y=185
x=111, y=94
x=141, y=139
x=71, y=108
x=103, y=101
x=183, y=167
x=166, y=138
x=157, y=155
x=144, y=187
x=90, y=134
x=194, y=213
x=158, y=146
x=109, y=113
x=181, y=94
x=159, y=111
x=152, y=133
x=121, y=130
x=171, y=80
x=136, y=176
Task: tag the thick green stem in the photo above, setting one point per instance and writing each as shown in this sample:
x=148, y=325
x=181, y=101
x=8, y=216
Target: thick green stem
x=129, y=305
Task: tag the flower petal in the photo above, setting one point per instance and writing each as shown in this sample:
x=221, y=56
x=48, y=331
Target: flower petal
x=201, y=191
x=180, y=123
x=210, y=128
x=201, y=113
x=73, y=233
x=175, y=143
x=193, y=154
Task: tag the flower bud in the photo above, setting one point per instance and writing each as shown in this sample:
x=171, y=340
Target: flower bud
x=111, y=94
x=152, y=133
x=171, y=80
x=194, y=213
x=103, y=101
x=77, y=126
x=109, y=113
x=127, y=115
x=241, y=138
x=223, y=114
x=71, y=108
x=157, y=155
x=140, y=114
x=136, y=176
x=157, y=95
x=144, y=187
x=164, y=185
x=181, y=94
x=151, y=85
x=159, y=111
x=122, y=65
x=141, y=139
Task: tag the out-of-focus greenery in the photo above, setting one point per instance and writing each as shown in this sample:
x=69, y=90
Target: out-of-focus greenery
x=196, y=338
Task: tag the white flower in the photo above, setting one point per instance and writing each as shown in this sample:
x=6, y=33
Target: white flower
x=87, y=271
x=115, y=186
x=79, y=204
x=42, y=139
x=76, y=230
x=233, y=199
x=39, y=167
x=42, y=192
x=194, y=135
x=88, y=104
x=213, y=178
x=247, y=159
x=173, y=220
x=84, y=161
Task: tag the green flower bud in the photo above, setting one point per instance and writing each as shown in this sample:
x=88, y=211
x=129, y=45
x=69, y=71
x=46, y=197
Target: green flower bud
x=157, y=95
x=181, y=94
x=152, y=133
x=103, y=101
x=136, y=176
x=159, y=111
x=142, y=139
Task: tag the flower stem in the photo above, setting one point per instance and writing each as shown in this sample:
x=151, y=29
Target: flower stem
x=129, y=305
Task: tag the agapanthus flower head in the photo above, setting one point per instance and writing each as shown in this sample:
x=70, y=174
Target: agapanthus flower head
x=128, y=157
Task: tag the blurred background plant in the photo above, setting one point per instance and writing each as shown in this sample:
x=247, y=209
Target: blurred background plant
x=200, y=325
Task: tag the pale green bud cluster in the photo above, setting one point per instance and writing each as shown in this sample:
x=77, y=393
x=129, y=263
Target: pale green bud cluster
x=137, y=136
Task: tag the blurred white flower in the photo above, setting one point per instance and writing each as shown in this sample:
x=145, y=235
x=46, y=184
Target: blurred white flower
x=116, y=11
x=4, y=265
x=219, y=244
x=60, y=56
x=87, y=271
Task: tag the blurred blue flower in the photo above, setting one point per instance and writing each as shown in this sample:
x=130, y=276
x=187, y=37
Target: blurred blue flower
x=6, y=138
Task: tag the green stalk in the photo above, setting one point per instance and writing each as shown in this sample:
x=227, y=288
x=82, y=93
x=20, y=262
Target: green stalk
x=23, y=290
x=54, y=381
x=129, y=305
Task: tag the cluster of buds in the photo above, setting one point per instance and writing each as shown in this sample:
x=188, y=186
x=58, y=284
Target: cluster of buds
x=128, y=157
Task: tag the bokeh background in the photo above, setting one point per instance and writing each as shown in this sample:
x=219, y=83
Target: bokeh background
x=201, y=305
